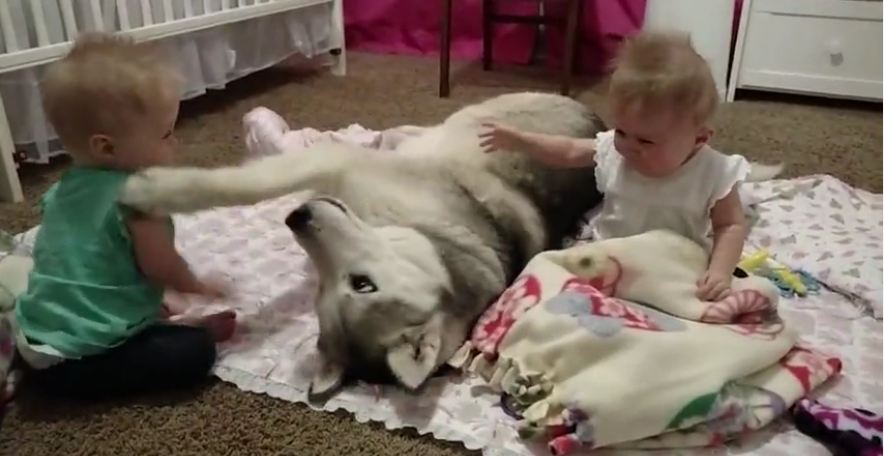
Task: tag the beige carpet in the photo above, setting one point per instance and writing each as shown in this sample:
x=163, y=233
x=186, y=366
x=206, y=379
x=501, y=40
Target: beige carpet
x=815, y=136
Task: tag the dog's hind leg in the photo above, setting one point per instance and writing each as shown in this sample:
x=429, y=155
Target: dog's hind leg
x=512, y=209
x=165, y=190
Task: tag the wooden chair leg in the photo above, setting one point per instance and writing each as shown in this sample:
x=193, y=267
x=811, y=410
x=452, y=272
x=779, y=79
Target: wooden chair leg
x=487, y=34
x=578, y=37
x=571, y=37
x=445, y=50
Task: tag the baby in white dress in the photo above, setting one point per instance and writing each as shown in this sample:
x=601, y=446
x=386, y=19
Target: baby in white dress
x=655, y=167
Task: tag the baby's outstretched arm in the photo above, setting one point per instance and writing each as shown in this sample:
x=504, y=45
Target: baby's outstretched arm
x=552, y=150
x=730, y=230
x=160, y=262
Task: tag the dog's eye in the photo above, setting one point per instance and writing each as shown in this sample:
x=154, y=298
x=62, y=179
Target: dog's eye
x=362, y=284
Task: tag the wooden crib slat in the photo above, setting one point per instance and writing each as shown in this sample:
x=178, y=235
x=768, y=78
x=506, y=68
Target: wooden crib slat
x=40, y=24
x=188, y=9
x=207, y=7
x=10, y=186
x=123, y=14
x=225, y=4
x=8, y=31
x=146, y=13
x=168, y=12
x=97, y=19
x=69, y=19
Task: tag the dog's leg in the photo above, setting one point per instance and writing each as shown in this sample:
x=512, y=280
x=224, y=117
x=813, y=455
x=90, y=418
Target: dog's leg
x=165, y=190
x=515, y=210
x=512, y=209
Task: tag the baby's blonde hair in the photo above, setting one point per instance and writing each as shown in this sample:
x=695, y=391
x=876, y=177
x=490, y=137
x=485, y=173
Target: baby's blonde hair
x=104, y=84
x=661, y=69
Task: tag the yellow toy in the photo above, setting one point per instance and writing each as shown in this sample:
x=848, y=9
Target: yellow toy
x=760, y=263
x=788, y=277
x=750, y=263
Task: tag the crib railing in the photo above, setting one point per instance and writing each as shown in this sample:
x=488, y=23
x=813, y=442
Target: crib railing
x=172, y=18
x=141, y=19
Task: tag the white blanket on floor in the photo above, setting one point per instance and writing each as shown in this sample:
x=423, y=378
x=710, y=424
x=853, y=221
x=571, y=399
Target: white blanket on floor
x=274, y=350
x=827, y=228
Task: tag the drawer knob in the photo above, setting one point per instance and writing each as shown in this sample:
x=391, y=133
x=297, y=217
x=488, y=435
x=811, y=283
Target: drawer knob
x=836, y=56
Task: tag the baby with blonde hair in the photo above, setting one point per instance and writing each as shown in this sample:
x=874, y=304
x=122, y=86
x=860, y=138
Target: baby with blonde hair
x=92, y=321
x=655, y=166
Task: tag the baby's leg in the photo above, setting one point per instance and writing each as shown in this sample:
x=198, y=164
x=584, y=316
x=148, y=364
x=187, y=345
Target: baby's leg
x=220, y=325
x=160, y=358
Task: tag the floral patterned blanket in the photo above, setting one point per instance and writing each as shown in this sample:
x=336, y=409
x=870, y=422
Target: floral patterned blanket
x=596, y=346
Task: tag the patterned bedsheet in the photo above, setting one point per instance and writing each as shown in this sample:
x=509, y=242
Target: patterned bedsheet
x=274, y=349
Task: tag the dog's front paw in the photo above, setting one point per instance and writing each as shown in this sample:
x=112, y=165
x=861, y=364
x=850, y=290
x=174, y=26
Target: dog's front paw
x=155, y=191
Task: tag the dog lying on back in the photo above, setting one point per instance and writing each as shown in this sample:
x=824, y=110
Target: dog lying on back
x=412, y=245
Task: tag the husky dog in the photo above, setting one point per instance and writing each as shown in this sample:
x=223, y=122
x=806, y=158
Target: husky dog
x=411, y=245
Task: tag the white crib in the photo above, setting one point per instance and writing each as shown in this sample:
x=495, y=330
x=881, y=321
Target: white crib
x=36, y=32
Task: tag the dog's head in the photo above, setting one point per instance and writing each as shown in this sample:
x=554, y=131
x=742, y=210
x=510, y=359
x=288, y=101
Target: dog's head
x=380, y=296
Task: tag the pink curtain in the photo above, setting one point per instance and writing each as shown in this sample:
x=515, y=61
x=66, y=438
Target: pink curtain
x=412, y=27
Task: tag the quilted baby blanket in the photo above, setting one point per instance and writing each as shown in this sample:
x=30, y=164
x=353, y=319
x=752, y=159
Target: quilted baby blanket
x=605, y=344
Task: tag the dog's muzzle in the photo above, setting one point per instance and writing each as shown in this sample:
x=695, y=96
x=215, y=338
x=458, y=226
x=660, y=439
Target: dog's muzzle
x=299, y=218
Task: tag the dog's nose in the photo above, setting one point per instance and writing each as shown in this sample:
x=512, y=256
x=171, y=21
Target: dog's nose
x=299, y=217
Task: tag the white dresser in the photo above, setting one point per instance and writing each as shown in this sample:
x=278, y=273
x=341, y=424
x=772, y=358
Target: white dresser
x=829, y=48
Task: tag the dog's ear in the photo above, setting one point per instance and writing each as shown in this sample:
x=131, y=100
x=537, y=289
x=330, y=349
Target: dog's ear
x=333, y=355
x=415, y=355
x=328, y=378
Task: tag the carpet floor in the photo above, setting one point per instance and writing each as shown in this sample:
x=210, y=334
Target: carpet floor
x=811, y=136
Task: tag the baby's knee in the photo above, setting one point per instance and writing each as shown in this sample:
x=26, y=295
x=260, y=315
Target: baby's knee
x=195, y=353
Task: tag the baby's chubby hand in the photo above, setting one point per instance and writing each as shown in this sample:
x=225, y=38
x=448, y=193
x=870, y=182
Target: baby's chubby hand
x=714, y=285
x=496, y=136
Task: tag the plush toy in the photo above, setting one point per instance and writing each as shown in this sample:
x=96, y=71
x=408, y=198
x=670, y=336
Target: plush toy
x=753, y=262
x=15, y=265
x=267, y=133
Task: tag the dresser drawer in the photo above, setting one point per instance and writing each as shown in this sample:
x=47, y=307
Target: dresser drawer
x=829, y=47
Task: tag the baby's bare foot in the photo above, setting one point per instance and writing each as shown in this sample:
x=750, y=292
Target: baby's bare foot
x=220, y=325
